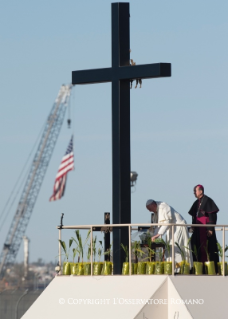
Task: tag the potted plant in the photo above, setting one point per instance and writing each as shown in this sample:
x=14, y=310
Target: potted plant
x=125, y=268
x=135, y=251
x=185, y=266
x=209, y=265
x=97, y=268
x=168, y=263
x=141, y=268
x=150, y=266
x=159, y=265
x=220, y=264
x=80, y=247
x=87, y=265
x=66, y=265
x=197, y=265
x=107, y=266
x=74, y=266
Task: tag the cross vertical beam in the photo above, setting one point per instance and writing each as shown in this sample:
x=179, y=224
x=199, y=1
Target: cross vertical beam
x=121, y=192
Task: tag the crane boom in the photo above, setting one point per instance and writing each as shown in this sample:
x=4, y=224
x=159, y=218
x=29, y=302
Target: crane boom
x=35, y=178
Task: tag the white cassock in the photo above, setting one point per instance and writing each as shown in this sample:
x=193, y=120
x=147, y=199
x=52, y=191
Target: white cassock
x=167, y=215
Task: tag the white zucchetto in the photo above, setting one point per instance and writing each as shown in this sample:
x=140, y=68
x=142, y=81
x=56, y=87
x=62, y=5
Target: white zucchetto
x=150, y=201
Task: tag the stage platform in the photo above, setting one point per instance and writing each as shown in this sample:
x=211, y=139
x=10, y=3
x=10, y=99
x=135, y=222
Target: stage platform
x=128, y=297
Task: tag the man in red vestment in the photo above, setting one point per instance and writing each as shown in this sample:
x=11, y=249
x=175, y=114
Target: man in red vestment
x=204, y=211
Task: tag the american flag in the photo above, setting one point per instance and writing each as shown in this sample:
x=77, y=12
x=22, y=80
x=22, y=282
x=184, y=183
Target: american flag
x=67, y=164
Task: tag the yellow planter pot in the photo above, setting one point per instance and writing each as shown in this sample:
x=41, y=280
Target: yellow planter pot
x=80, y=269
x=71, y=267
x=150, y=267
x=209, y=268
x=87, y=269
x=106, y=268
x=185, y=268
x=134, y=267
x=97, y=268
x=141, y=270
x=167, y=267
x=220, y=268
x=125, y=269
x=66, y=268
x=74, y=269
x=197, y=268
x=159, y=268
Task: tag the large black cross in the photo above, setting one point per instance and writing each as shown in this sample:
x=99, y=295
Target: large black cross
x=120, y=75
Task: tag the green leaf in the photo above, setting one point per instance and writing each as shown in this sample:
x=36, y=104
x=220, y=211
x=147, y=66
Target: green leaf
x=125, y=248
x=70, y=242
x=182, y=252
x=63, y=246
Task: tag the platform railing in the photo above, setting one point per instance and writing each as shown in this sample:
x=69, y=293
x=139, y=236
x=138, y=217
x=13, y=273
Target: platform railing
x=222, y=228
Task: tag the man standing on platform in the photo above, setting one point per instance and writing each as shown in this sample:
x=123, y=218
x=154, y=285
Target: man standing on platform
x=166, y=215
x=204, y=211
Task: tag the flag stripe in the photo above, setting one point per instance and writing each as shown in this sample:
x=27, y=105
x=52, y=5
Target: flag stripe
x=66, y=165
x=65, y=170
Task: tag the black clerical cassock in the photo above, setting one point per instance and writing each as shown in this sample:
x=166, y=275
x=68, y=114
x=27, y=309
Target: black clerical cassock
x=204, y=211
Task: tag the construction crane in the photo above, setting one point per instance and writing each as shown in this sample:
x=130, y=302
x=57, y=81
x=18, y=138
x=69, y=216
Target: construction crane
x=35, y=178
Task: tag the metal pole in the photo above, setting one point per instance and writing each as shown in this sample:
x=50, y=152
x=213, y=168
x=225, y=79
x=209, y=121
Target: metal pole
x=223, y=251
x=91, y=245
x=129, y=231
x=173, y=259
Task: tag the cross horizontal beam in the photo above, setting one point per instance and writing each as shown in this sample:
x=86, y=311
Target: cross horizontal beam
x=144, y=71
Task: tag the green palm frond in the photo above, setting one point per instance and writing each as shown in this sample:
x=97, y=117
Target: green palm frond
x=87, y=238
x=195, y=251
x=80, y=245
x=89, y=253
x=135, y=248
x=74, y=253
x=94, y=248
x=125, y=248
x=149, y=243
x=63, y=246
x=108, y=252
x=220, y=250
x=66, y=252
x=70, y=242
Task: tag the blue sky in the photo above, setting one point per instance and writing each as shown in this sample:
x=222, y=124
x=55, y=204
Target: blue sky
x=179, y=128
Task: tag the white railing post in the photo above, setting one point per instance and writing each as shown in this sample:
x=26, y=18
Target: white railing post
x=129, y=231
x=223, y=251
x=173, y=258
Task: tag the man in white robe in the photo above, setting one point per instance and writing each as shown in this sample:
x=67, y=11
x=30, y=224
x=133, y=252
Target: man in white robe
x=166, y=215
